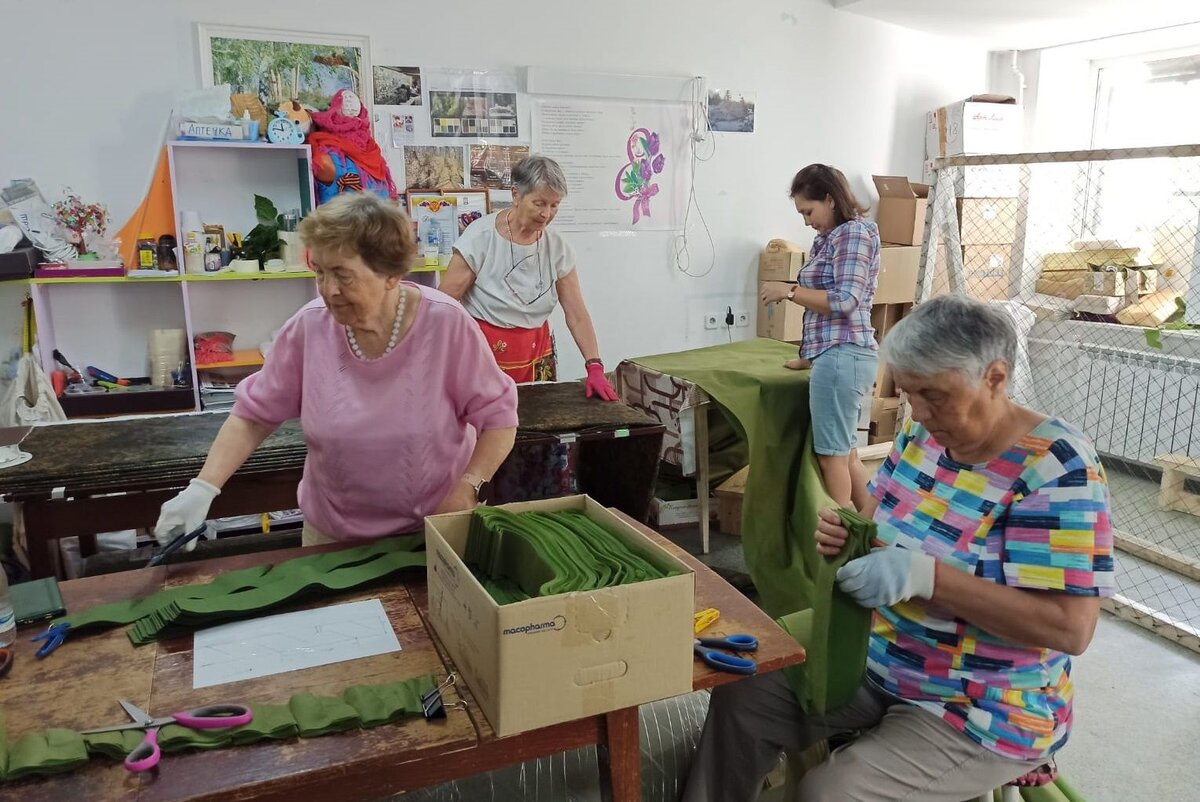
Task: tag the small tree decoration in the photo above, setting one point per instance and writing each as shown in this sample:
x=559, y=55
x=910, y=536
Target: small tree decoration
x=79, y=218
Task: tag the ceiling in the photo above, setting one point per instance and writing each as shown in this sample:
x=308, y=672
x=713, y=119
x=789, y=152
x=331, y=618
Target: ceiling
x=1027, y=24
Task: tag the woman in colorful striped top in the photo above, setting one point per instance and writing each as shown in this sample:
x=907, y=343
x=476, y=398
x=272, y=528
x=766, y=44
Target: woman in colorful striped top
x=835, y=288
x=997, y=549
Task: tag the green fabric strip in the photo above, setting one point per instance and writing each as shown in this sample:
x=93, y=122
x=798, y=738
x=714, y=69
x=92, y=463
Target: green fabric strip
x=56, y=751
x=834, y=632
x=248, y=592
x=518, y=556
x=768, y=405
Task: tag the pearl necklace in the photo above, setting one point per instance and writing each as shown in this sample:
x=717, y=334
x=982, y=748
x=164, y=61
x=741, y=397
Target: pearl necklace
x=391, y=343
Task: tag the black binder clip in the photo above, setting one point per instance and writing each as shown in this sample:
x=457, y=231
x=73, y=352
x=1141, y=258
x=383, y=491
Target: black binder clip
x=431, y=702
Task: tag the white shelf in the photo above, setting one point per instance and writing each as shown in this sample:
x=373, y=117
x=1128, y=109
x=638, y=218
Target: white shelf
x=233, y=143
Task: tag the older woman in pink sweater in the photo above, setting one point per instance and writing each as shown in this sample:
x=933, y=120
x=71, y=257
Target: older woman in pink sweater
x=405, y=413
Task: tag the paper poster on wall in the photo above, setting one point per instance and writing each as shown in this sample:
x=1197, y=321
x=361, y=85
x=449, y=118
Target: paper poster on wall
x=433, y=167
x=625, y=162
x=397, y=86
x=404, y=128
x=491, y=165
x=731, y=111
x=473, y=114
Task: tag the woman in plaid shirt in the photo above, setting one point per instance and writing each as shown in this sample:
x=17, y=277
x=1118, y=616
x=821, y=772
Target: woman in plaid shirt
x=835, y=288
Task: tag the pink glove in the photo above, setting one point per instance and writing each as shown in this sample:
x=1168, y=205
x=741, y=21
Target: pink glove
x=597, y=385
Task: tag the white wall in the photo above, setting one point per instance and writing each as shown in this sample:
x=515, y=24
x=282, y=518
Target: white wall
x=88, y=87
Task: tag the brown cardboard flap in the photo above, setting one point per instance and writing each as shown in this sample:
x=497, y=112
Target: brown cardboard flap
x=988, y=98
x=898, y=186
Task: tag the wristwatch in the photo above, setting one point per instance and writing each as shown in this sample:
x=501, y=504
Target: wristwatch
x=791, y=296
x=481, y=486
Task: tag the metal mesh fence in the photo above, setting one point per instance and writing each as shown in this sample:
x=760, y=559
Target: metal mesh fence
x=1096, y=255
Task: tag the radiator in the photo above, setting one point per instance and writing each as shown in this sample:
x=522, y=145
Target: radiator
x=1134, y=405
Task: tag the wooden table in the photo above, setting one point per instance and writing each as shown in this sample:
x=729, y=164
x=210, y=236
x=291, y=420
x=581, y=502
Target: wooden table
x=106, y=476
x=78, y=686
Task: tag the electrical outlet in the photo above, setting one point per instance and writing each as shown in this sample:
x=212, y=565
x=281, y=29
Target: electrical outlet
x=712, y=321
x=741, y=318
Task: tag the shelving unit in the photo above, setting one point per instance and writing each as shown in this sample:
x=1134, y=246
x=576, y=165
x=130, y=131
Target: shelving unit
x=106, y=321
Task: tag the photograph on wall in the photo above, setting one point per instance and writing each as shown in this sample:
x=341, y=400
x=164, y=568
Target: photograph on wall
x=397, y=86
x=491, y=165
x=279, y=65
x=473, y=114
x=433, y=167
x=730, y=111
x=404, y=130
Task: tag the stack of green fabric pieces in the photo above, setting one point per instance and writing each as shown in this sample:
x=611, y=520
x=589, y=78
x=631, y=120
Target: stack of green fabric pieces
x=56, y=751
x=250, y=592
x=519, y=556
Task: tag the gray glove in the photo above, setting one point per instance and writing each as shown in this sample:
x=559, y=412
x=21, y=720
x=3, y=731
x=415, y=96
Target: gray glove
x=186, y=512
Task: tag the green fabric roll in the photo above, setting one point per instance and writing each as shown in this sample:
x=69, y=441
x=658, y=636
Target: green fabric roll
x=834, y=632
x=1044, y=793
x=247, y=592
x=321, y=715
x=52, y=751
x=768, y=405
x=307, y=715
x=517, y=556
x=1068, y=790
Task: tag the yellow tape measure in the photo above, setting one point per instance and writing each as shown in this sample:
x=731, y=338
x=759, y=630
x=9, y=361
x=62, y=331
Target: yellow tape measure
x=705, y=619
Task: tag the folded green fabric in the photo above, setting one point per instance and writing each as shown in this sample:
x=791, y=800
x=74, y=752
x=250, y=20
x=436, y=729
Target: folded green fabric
x=307, y=715
x=834, y=632
x=52, y=751
x=522, y=555
x=248, y=592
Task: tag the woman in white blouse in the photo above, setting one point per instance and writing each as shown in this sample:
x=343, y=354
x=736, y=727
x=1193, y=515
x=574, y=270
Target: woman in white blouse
x=510, y=270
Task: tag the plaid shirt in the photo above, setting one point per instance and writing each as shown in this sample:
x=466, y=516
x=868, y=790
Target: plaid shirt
x=844, y=263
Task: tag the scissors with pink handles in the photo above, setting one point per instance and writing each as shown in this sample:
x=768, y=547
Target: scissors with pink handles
x=146, y=755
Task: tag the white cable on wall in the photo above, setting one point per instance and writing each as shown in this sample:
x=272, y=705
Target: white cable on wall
x=700, y=132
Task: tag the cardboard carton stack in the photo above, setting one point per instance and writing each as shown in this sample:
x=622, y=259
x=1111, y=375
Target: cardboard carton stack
x=988, y=209
x=780, y=261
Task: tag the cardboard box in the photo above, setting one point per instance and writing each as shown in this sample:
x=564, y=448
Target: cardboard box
x=553, y=659
x=781, y=265
x=898, y=268
x=1151, y=311
x=729, y=502
x=1123, y=281
x=884, y=415
x=883, y=318
x=680, y=512
x=987, y=272
x=1069, y=284
x=978, y=124
x=782, y=321
x=979, y=181
x=901, y=212
x=1081, y=259
x=988, y=221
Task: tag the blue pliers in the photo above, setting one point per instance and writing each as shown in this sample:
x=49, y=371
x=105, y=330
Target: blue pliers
x=705, y=650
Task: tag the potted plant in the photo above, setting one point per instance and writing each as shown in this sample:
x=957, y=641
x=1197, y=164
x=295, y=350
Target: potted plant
x=263, y=242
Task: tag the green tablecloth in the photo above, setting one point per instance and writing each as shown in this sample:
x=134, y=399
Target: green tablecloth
x=768, y=405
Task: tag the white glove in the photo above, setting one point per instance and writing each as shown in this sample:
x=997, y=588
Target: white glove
x=888, y=576
x=186, y=512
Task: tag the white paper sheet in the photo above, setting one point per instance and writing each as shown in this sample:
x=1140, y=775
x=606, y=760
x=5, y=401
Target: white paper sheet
x=291, y=641
x=626, y=162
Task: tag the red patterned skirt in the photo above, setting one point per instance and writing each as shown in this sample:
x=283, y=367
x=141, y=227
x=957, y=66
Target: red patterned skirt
x=526, y=355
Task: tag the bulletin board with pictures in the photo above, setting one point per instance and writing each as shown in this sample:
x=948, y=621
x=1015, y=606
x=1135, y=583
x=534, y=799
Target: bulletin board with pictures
x=450, y=130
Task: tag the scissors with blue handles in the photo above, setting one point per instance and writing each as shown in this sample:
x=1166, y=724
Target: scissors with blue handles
x=146, y=755
x=705, y=649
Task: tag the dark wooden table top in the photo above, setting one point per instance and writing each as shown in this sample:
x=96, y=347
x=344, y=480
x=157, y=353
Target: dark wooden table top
x=78, y=686
x=102, y=454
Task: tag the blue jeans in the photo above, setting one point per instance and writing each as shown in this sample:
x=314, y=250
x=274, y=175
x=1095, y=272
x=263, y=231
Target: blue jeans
x=841, y=377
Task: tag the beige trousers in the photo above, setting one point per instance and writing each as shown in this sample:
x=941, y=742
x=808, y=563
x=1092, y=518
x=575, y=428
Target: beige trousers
x=906, y=753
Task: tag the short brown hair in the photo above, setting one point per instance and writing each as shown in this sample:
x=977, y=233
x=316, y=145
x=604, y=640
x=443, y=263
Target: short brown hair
x=361, y=224
x=818, y=181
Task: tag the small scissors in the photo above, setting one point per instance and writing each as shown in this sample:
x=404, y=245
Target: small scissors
x=705, y=650
x=176, y=544
x=146, y=755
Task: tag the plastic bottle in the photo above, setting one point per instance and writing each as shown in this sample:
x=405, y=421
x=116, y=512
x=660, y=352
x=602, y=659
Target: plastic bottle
x=433, y=244
x=147, y=252
x=8, y=626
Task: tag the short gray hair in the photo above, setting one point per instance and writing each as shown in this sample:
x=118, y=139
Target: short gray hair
x=534, y=172
x=951, y=332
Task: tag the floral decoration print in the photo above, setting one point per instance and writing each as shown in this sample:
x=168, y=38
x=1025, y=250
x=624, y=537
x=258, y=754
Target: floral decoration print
x=635, y=181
